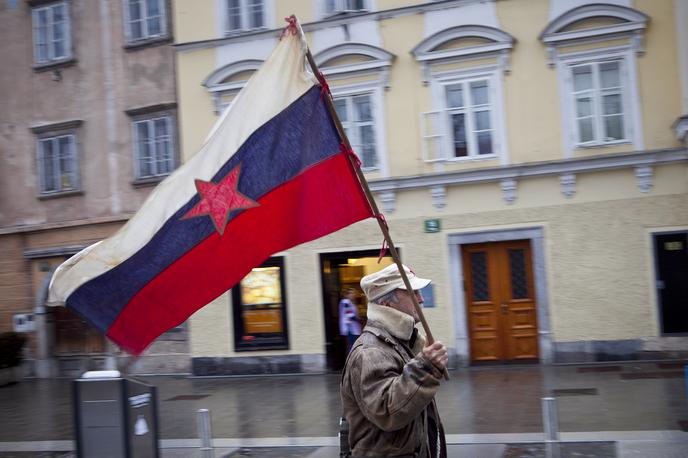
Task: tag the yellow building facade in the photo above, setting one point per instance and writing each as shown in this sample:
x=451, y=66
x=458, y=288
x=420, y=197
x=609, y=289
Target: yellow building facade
x=529, y=156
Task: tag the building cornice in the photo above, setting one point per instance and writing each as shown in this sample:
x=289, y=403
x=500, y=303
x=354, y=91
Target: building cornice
x=56, y=126
x=333, y=21
x=148, y=109
x=537, y=169
x=38, y=253
x=63, y=224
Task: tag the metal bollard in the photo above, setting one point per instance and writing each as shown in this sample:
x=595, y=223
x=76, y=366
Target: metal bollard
x=551, y=424
x=205, y=433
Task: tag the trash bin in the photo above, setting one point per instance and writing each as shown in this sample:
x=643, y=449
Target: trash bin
x=114, y=417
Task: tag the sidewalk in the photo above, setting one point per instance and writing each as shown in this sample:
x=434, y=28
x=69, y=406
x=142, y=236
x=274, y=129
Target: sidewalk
x=629, y=409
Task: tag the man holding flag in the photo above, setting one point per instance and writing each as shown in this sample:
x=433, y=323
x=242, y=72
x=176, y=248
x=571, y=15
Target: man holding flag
x=391, y=375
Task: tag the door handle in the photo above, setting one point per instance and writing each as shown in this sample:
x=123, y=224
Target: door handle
x=505, y=308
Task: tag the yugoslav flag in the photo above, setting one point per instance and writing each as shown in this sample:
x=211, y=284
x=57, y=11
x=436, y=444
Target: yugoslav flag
x=272, y=174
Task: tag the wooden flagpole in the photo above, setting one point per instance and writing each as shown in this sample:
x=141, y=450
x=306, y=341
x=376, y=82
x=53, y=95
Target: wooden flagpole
x=369, y=195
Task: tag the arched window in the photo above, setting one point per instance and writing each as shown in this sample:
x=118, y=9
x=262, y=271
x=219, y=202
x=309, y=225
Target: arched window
x=358, y=74
x=594, y=49
x=226, y=82
x=467, y=119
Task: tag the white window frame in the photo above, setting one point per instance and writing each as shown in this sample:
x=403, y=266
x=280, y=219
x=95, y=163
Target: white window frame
x=596, y=93
x=439, y=82
x=376, y=99
x=334, y=7
x=245, y=16
x=150, y=123
x=632, y=120
x=50, y=45
x=74, y=156
x=146, y=35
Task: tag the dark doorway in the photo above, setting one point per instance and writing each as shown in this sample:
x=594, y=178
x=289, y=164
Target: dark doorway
x=671, y=257
x=340, y=271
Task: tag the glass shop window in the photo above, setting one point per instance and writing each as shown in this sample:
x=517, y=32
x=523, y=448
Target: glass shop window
x=259, y=303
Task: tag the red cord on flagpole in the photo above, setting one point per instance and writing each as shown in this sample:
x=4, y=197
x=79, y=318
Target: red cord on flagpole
x=350, y=152
x=291, y=26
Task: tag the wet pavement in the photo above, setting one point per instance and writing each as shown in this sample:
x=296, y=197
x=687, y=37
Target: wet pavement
x=487, y=412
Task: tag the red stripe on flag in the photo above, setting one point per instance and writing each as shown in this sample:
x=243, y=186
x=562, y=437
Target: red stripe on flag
x=321, y=200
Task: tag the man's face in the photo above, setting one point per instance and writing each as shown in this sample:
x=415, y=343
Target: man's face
x=405, y=303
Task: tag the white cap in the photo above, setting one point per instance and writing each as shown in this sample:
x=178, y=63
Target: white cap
x=388, y=279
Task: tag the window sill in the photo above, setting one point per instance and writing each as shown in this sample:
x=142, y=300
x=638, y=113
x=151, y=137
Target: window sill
x=260, y=347
x=465, y=159
x=237, y=32
x=602, y=144
x=55, y=195
x=147, y=43
x=148, y=181
x=54, y=65
x=343, y=13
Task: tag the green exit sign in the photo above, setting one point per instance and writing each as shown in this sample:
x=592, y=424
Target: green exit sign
x=432, y=225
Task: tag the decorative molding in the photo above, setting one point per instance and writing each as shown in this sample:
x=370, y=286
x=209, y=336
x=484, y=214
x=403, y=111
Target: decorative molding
x=157, y=108
x=329, y=22
x=567, y=182
x=500, y=45
x=216, y=87
x=388, y=199
x=439, y=196
x=633, y=27
x=508, y=186
x=381, y=61
x=214, y=81
x=681, y=128
x=644, y=175
x=56, y=126
x=535, y=169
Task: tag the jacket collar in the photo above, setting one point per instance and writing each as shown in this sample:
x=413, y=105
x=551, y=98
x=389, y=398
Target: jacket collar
x=398, y=324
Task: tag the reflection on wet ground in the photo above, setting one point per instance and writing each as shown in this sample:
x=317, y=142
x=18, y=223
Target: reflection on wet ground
x=485, y=400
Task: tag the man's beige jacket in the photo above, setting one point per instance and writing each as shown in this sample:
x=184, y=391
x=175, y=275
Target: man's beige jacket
x=388, y=393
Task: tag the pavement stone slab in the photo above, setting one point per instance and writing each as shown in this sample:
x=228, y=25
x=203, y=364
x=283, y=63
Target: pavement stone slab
x=565, y=450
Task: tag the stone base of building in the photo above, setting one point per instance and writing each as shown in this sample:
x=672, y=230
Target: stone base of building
x=255, y=365
x=642, y=349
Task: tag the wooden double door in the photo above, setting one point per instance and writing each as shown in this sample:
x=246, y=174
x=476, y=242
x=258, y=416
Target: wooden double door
x=500, y=301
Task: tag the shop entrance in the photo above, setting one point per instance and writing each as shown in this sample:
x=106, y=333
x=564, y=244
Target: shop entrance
x=341, y=271
x=500, y=302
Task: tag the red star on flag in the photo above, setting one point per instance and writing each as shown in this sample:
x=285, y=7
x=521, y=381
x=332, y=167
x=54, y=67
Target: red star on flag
x=219, y=199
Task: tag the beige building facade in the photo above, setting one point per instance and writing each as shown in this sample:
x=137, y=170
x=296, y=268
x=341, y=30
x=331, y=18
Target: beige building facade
x=529, y=156
x=88, y=118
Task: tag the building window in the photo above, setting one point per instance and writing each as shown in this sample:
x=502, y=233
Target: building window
x=597, y=90
x=51, y=33
x=357, y=116
x=345, y=6
x=58, y=164
x=468, y=115
x=466, y=125
x=245, y=15
x=145, y=19
x=153, y=147
x=259, y=308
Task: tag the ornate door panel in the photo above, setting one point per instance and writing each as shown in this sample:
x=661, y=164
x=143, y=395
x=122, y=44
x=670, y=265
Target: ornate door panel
x=500, y=301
